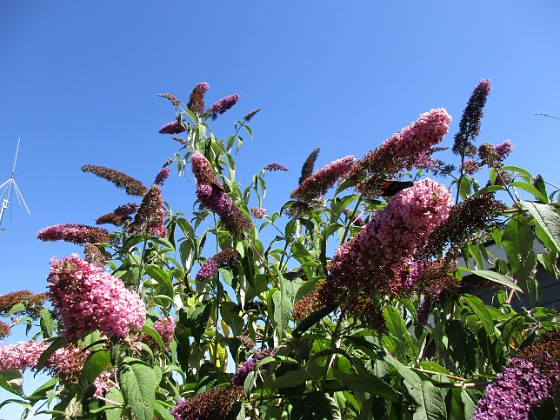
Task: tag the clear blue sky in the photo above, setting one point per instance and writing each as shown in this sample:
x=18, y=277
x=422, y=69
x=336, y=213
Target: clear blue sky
x=79, y=82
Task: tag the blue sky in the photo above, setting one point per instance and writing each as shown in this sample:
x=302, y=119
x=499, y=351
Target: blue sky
x=79, y=82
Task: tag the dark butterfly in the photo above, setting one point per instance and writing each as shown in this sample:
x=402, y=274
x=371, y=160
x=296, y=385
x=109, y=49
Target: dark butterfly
x=389, y=188
x=218, y=186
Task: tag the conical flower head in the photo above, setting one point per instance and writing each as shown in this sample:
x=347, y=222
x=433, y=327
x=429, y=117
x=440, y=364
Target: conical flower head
x=87, y=299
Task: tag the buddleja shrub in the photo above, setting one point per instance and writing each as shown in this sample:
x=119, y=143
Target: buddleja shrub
x=364, y=301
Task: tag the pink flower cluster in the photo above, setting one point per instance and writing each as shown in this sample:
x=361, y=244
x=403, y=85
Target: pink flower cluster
x=392, y=236
x=318, y=184
x=504, y=149
x=406, y=149
x=202, y=170
x=88, y=299
x=21, y=356
x=196, y=100
x=75, y=233
x=66, y=362
x=102, y=384
x=258, y=213
x=165, y=328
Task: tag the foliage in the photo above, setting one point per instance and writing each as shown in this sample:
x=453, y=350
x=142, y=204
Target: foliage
x=247, y=314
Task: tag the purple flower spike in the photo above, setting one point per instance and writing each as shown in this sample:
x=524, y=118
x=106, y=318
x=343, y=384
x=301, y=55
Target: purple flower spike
x=174, y=127
x=223, y=105
x=162, y=176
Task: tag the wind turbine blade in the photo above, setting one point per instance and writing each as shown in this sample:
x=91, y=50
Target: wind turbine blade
x=20, y=195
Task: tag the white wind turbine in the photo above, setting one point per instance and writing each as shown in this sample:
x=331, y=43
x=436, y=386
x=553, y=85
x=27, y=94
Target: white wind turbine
x=6, y=191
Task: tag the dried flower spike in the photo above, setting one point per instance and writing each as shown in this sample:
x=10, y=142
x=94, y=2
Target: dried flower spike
x=119, y=179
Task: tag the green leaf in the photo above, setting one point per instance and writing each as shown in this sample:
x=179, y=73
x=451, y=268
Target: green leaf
x=138, y=383
x=96, y=363
x=397, y=327
x=364, y=382
x=248, y=263
x=153, y=334
x=547, y=218
x=162, y=412
x=56, y=344
x=115, y=395
x=282, y=311
x=518, y=244
x=12, y=381
x=162, y=277
x=493, y=276
x=483, y=314
x=315, y=405
x=530, y=189
x=432, y=403
x=41, y=392
x=469, y=402
x=47, y=323
x=195, y=318
x=291, y=378
x=520, y=171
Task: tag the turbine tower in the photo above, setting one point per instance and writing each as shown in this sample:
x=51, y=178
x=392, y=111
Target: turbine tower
x=6, y=192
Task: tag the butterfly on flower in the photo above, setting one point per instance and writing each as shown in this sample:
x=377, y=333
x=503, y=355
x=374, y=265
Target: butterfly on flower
x=390, y=188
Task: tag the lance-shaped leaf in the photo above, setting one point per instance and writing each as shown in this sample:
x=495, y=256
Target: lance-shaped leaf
x=546, y=217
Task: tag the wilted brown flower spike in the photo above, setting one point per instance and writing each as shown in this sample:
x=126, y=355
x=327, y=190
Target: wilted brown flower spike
x=210, y=405
x=4, y=330
x=251, y=114
x=171, y=98
x=196, y=101
x=274, y=167
x=309, y=165
x=465, y=219
x=119, y=179
x=33, y=303
x=150, y=217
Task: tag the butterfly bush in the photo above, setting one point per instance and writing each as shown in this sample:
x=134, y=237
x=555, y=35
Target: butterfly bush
x=88, y=299
x=389, y=240
x=350, y=288
x=202, y=170
x=258, y=212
